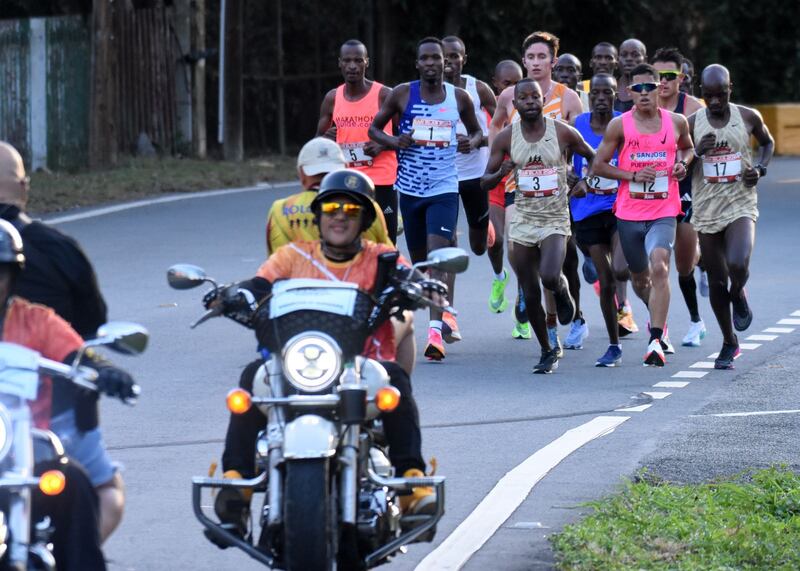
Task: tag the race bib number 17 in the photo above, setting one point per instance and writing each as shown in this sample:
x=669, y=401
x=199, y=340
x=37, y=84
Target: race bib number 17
x=432, y=132
x=722, y=168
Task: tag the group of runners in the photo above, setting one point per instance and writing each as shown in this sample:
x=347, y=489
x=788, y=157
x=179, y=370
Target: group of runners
x=627, y=167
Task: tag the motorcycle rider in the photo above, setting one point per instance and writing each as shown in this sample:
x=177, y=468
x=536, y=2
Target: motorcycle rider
x=59, y=275
x=73, y=513
x=342, y=210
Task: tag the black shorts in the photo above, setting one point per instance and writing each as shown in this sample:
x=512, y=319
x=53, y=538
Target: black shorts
x=596, y=229
x=476, y=203
x=686, y=200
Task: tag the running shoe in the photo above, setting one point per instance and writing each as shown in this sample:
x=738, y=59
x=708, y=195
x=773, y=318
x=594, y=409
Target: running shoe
x=521, y=330
x=450, y=331
x=596, y=288
x=742, y=314
x=625, y=322
x=655, y=355
x=666, y=344
x=696, y=333
x=565, y=306
x=589, y=271
x=547, y=364
x=491, y=236
x=434, y=351
x=497, y=299
x=577, y=334
x=703, y=282
x=555, y=341
x=611, y=358
x=726, y=356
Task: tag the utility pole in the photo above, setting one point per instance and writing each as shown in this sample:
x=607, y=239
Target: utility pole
x=233, y=143
x=198, y=43
x=102, y=118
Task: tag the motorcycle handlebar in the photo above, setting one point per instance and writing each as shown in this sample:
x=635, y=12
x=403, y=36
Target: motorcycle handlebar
x=85, y=377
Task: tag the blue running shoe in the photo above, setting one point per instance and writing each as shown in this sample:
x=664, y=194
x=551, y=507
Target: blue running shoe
x=555, y=341
x=589, y=271
x=577, y=334
x=611, y=358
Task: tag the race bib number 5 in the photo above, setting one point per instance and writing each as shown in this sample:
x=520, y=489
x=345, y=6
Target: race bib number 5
x=655, y=190
x=432, y=132
x=537, y=183
x=355, y=156
x=722, y=168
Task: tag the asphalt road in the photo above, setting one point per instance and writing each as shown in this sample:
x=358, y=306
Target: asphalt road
x=483, y=412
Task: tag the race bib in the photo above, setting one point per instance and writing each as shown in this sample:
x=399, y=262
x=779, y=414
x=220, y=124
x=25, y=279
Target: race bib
x=600, y=185
x=722, y=168
x=432, y=132
x=537, y=182
x=355, y=156
x=656, y=190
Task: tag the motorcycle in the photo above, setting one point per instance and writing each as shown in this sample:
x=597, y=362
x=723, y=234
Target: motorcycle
x=330, y=494
x=23, y=545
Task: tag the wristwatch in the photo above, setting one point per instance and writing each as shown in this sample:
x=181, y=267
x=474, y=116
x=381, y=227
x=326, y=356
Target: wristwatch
x=762, y=170
x=685, y=165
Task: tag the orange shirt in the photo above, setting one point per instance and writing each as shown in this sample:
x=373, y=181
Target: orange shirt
x=38, y=327
x=288, y=262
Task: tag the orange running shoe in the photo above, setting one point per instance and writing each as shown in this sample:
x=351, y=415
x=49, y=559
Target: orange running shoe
x=625, y=321
x=434, y=351
x=450, y=331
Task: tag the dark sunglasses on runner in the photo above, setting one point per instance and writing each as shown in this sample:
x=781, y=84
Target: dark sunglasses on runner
x=668, y=75
x=644, y=87
x=351, y=210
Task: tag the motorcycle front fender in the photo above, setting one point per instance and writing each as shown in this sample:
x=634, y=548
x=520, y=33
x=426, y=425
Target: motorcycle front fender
x=309, y=436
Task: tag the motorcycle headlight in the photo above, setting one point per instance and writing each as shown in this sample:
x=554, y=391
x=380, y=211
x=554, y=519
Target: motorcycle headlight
x=6, y=437
x=312, y=361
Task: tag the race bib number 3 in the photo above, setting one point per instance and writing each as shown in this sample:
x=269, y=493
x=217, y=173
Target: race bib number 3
x=537, y=183
x=355, y=156
x=722, y=168
x=432, y=132
x=655, y=190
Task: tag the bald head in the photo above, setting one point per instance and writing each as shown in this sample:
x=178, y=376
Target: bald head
x=506, y=73
x=716, y=75
x=631, y=53
x=568, y=70
x=13, y=186
x=633, y=43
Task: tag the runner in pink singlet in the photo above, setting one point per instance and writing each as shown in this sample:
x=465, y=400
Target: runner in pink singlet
x=655, y=150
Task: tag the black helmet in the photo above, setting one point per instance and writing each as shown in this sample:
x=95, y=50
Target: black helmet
x=10, y=245
x=352, y=183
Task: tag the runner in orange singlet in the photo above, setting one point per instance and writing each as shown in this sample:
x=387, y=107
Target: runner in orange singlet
x=345, y=116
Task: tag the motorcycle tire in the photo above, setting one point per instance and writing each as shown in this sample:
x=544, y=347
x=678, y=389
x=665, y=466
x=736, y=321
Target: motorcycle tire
x=308, y=522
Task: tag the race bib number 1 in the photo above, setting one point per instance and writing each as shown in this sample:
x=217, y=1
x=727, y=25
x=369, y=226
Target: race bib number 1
x=432, y=132
x=355, y=156
x=722, y=168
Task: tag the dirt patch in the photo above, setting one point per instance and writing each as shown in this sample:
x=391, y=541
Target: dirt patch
x=138, y=178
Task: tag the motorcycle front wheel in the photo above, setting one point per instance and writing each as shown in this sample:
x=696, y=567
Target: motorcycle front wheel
x=308, y=518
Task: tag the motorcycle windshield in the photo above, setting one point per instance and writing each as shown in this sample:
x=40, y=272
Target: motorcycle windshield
x=288, y=296
x=19, y=368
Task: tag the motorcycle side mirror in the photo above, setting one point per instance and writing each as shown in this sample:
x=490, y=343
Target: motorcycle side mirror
x=122, y=336
x=451, y=260
x=186, y=276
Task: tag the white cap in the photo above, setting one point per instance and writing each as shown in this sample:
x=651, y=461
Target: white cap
x=320, y=155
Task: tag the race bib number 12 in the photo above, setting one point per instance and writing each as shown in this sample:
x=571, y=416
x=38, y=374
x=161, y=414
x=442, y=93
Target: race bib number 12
x=655, y=190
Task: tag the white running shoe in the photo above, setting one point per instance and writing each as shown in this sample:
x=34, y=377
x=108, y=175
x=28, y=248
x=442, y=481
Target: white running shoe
x=696, y=333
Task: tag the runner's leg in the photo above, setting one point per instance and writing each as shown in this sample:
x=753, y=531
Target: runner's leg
x=386, y=197
x=712, y=247
x=739, y=240
x=525, y=261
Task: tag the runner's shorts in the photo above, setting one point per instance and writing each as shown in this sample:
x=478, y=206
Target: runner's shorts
x=596, y=229
x=428, y=215
x=639, y=238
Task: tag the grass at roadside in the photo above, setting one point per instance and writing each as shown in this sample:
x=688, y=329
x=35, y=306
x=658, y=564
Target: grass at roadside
x=751, y=521
x=137, y=178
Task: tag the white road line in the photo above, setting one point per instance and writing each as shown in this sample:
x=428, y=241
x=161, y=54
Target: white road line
x=689, y=374
x=762, y=338
x=105, y=210
x=778, y=330
x=657, y=395
x=796, y=313
x=671, y=384
x=639, y=408
x=715, y=355
x=789, y=322
x=703, y=364
x=749, y=346
x=509, y=493
x=756, y=413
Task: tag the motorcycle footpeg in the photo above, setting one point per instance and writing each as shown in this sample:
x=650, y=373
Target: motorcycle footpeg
x=222, y=542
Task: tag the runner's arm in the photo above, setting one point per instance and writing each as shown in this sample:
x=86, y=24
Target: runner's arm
x=572, y=106
x=691, y=106
x=488, y=100
x=500, y=116
x=612, y=140
x=497, y=168
x=325, y=126
x=766, y=144
x=466, y=110
x=391, y=107
x=685, y=153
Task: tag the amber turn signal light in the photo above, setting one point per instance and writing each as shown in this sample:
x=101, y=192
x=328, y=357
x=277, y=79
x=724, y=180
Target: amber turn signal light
x=238, y=401
x=387, y=399
x=52, y=483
